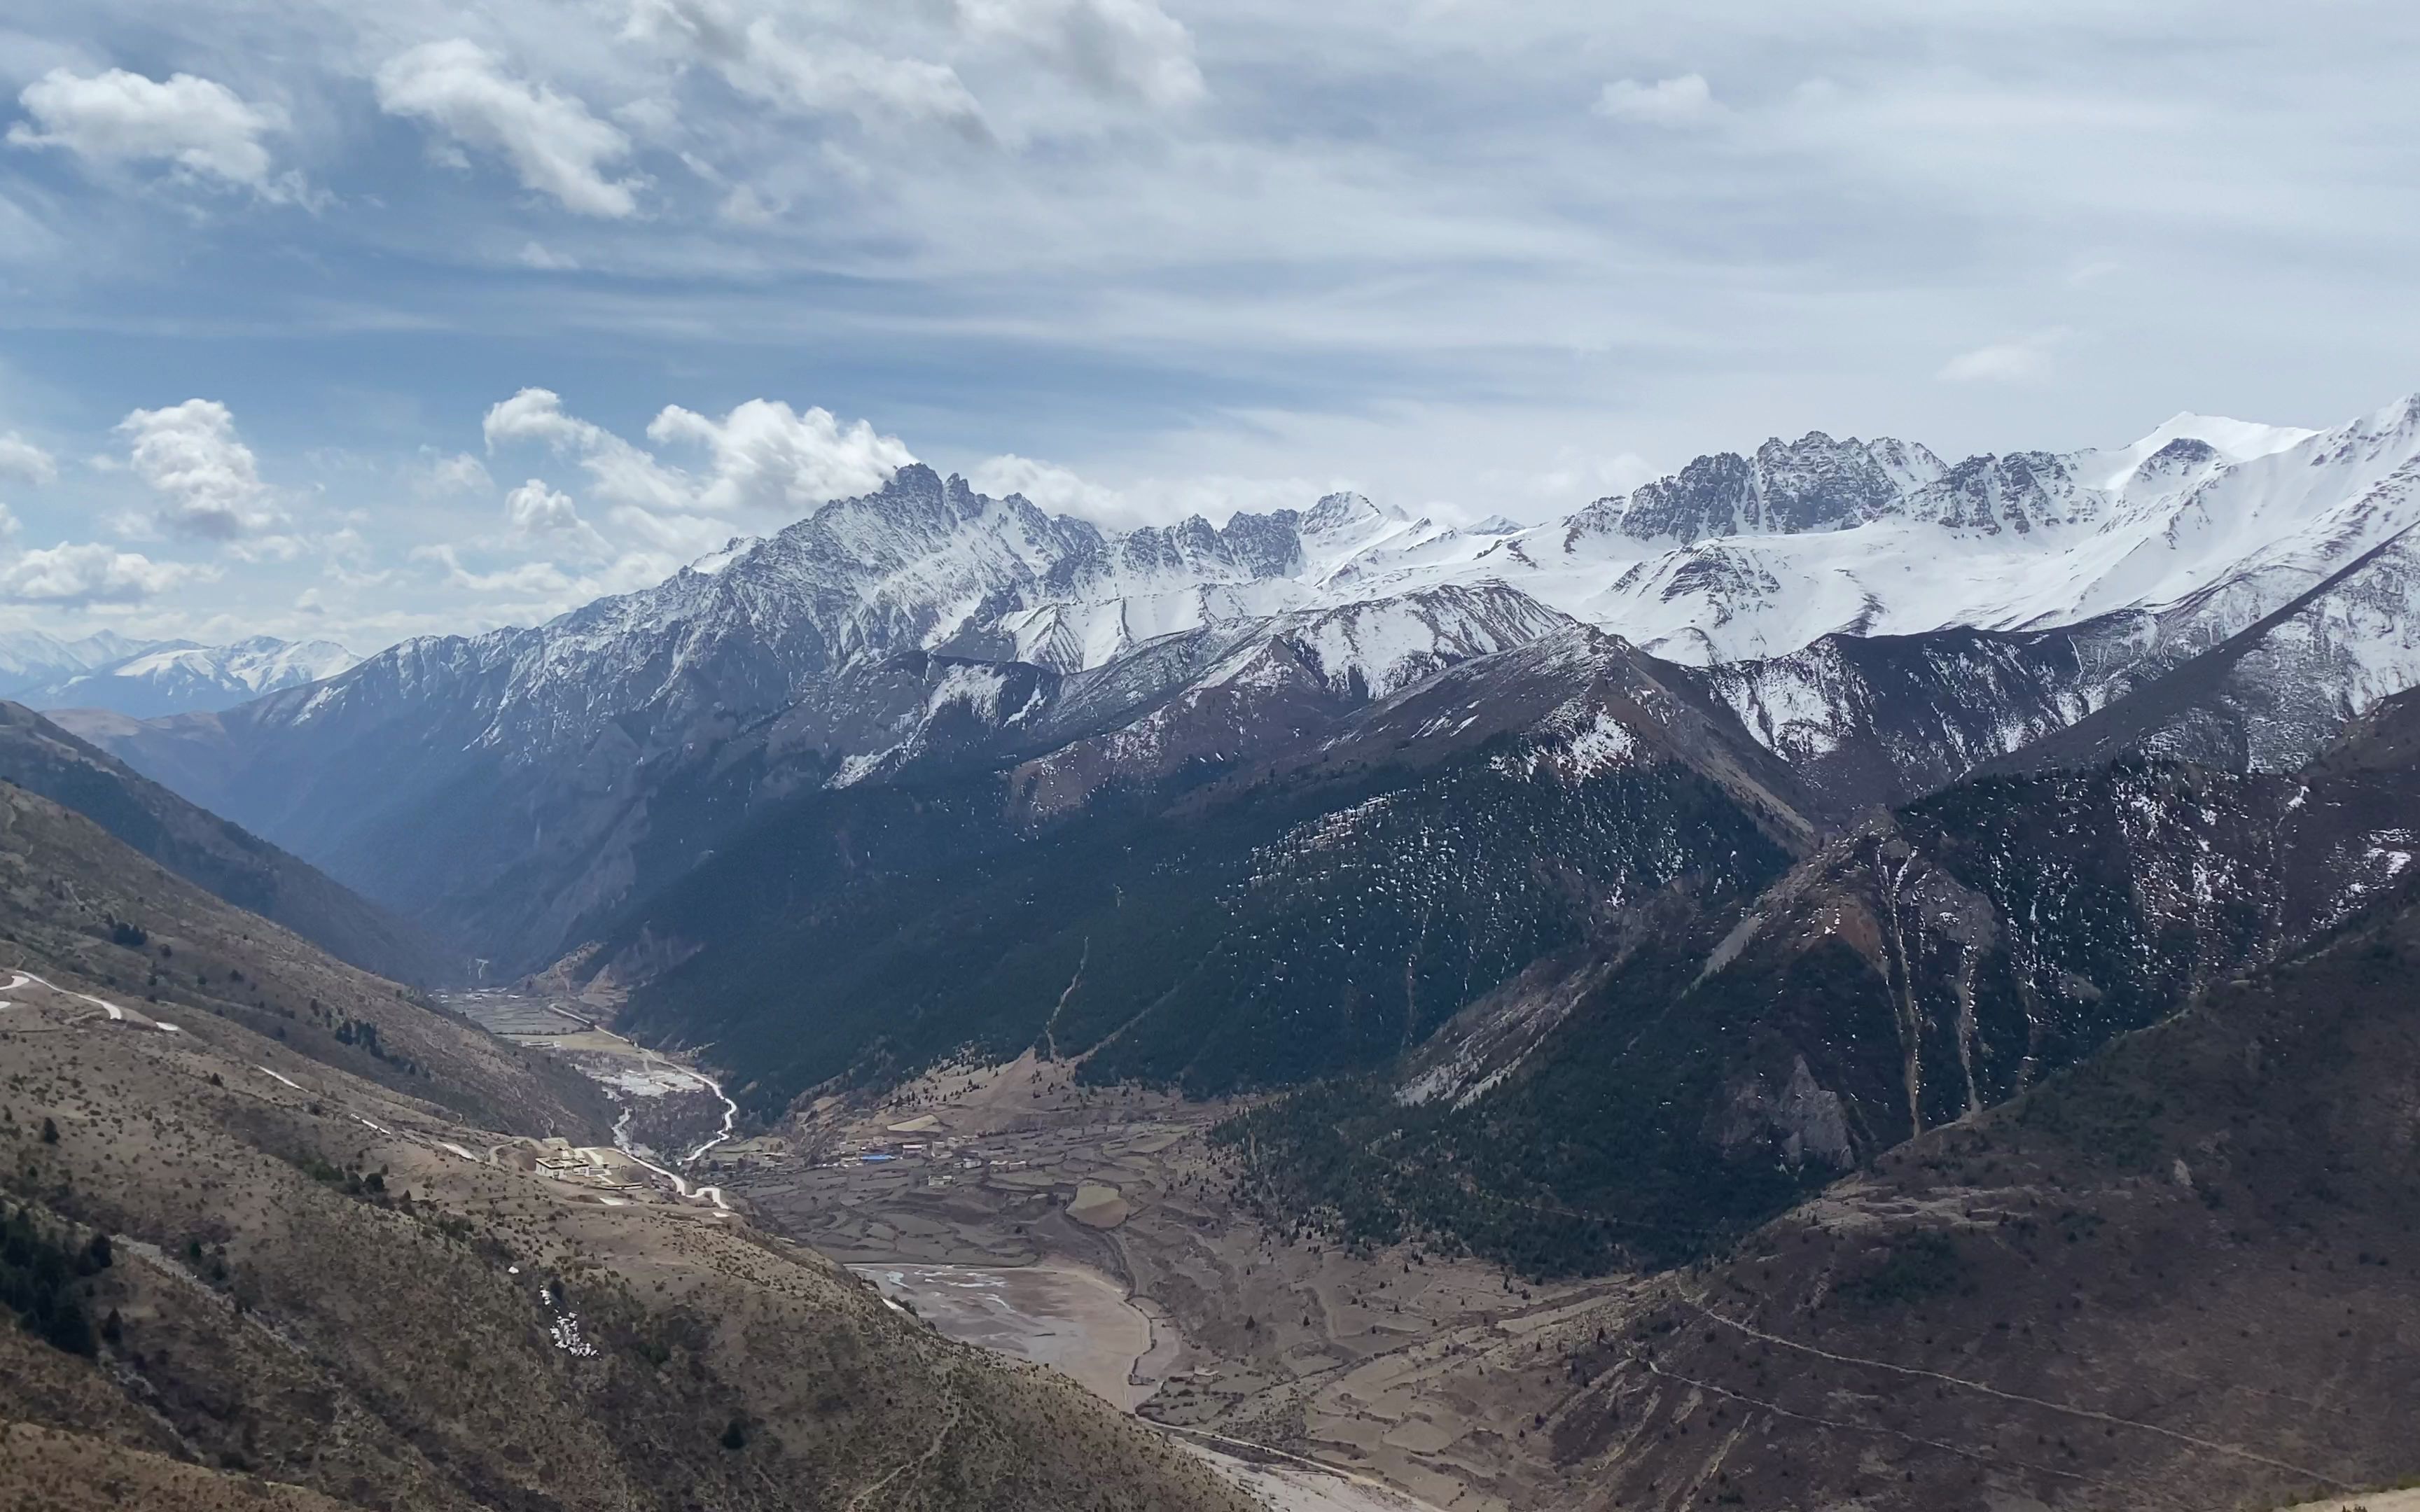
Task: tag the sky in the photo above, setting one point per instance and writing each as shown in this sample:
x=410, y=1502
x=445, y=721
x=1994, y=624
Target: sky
x=362, y=322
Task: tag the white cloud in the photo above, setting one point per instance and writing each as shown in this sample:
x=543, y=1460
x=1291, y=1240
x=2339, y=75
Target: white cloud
x=1683, y=102
x=544, y=589
x=72, y=576
x=762, y=455
x=1054, y=488
x=766, y=455
x=526, y=578
x=620, y=471
x=269, y=548
x=189, y=452
x=24, y=461
x=536, y=254
x=675, y=537
x=537, y=415
x=1129, y=48
x=535, y=509
x=825, y=75
x=554, y=144
x=201, y=127
x=441, y=475
x=2016, y=361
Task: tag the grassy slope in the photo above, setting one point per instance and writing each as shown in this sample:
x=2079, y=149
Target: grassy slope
x=248, y=871
x=277, y=1321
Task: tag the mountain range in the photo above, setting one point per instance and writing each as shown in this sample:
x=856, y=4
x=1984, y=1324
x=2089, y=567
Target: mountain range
x=1678, y=889
x=1881, y=621
x=145, y=678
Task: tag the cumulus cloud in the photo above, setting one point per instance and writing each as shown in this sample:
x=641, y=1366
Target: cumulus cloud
x=537, y=415
x=620, y=471
x=1683, y=102
x=825, y=75
x=73, y=576
x=200, y=126
x=24, y=461
x=554, y=144
x=763, y=455
x=766, y=455
x=2016, y=361
x=190, y=454
x=1056, y=489
x=535, y=509
x=1118, y=48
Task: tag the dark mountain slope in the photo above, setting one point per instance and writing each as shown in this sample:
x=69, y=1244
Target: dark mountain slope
x=40, y=757
x=1280, y=921
x=1640, y=1097
x=518, y=793
x=2181, y=1274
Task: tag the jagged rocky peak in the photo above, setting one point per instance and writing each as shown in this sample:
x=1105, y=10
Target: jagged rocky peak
x=1814, y=483
x=1248, y=545
x=2020, y=492
x=1339, y=510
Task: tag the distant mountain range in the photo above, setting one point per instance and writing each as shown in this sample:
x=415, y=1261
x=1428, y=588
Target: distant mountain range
x=147, y=678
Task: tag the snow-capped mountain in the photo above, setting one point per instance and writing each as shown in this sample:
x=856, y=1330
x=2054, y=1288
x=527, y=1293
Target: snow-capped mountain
x=1883, y=619
x=179, y=676
x=30, y=659
x=1737, y=558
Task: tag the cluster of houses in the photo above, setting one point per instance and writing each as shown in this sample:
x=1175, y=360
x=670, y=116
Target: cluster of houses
x=955, y=1156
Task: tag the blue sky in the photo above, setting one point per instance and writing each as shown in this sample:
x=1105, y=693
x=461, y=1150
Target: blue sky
x=268, y=270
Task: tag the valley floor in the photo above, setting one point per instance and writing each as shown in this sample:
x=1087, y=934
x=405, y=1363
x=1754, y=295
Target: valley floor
x=1089, y=1232
x=1092, y=1230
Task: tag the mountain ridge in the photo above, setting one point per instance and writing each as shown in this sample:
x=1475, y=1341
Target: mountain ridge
x=403, y=774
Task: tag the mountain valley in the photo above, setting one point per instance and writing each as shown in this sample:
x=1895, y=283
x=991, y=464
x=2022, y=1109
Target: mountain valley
x=1835, y=978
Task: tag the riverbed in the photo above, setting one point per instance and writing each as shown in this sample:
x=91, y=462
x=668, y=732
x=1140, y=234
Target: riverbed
x=1068, y=1317
x=1079, y=1322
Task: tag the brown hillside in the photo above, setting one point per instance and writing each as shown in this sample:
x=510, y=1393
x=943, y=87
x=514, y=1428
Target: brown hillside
x=2184, y=1275
x=307, y=1285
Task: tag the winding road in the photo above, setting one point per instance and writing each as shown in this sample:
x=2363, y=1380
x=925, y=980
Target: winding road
x=19, y=979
